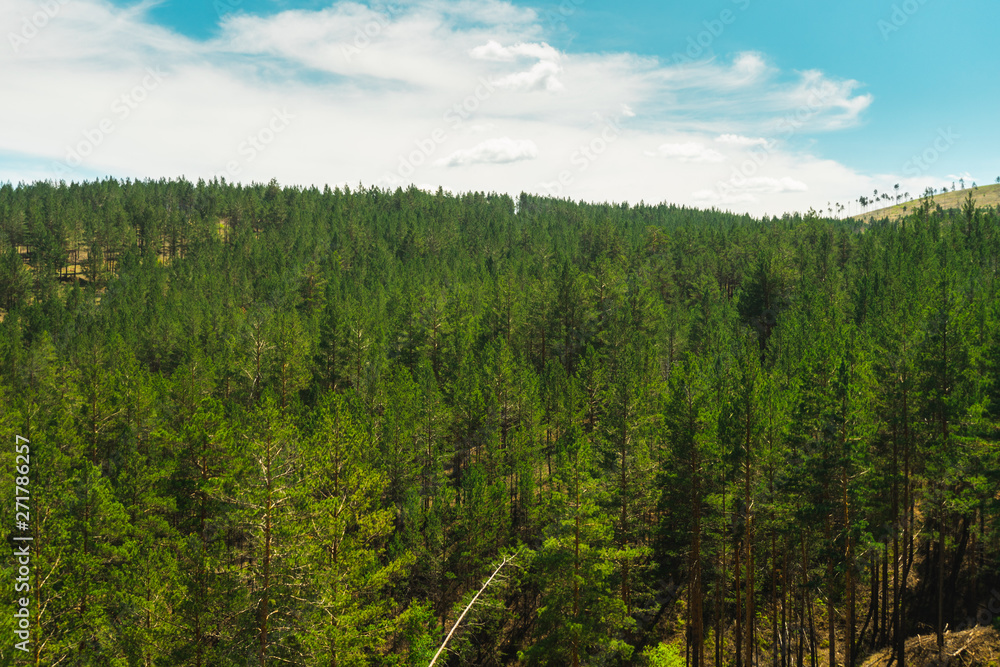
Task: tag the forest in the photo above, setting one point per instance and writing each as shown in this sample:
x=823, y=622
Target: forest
x=276, y=425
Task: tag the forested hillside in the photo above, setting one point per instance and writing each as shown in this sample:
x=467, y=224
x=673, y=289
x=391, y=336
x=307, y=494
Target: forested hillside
x=285, y=426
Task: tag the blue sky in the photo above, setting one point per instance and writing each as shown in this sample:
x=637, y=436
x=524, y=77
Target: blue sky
x=747, y=105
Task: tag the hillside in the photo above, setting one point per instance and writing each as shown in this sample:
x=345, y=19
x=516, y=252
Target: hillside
x=985, y=195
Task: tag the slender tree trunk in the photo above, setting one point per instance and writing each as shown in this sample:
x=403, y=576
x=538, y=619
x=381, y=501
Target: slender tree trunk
x=774, y=601
x=624, y=493
x=748, y=538
x=334, y=564
x=941, y=520
x=849, y=573
x=896, y=630
x=830, y=611
x=202, y=574
x=803, y=590
x=576, y=570
x=874, y=598
x=264, y=612
x=774, y=573
x=785, y=648
x=738, y=639
x=813, y=643
x=940, y=586
x=720, y=588
x=39, y=583
x=907, y=555
x=698, y=651
x=884, y=626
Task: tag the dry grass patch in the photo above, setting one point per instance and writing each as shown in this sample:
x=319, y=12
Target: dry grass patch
x=978, y=647
x=984, y=195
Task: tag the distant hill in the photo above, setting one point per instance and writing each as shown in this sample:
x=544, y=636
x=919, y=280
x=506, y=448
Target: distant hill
x=985, y=195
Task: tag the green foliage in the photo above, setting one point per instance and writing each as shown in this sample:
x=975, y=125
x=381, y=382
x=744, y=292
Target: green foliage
x=282, y=425
x=663, y=655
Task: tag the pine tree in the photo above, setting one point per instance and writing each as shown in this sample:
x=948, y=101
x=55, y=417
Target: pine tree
x=580, y=619
x=347, y=613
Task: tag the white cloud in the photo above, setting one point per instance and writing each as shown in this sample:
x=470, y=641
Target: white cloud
x=492, y=151
x=755, y=98
x=823, y=103
x=749, y=64
x=747, y=190
x=689, y=152
x=493, y=50
x=768, y=185
x=738, y=140
x=541, y=76
x=707, y=196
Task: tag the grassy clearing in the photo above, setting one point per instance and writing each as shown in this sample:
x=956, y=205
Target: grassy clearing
x=985, y=195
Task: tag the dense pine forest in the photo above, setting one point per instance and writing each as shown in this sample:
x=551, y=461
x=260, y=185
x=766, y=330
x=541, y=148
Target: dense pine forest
x=283, y=426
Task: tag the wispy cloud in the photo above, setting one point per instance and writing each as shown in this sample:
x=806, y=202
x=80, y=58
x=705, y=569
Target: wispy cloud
x=493, y=50
x=492, y=151
x=832, y=104
x=688, y=152
x=738, y=140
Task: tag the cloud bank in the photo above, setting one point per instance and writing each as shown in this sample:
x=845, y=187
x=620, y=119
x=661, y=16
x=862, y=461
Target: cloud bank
x=468, y=96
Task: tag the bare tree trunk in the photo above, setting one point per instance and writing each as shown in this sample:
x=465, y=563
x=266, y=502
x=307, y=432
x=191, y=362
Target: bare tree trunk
x=267, y=559
x=804, y=578
x=849, y=572
x=720, y=590
x=738, y=639
x=576, y=571
x=907, y=555
x=748, y=540
x=830, y=611
x=696, y=602
x=940, y=587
